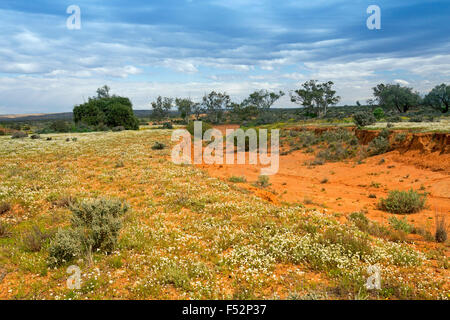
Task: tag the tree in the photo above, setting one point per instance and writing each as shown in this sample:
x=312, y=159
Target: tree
x=262, y=99
x=106, y=109
x=161, y=107
x=215, y=104
x=103, y=92
x=244, y=112
x=197, y=109
x=184, y=107
x=439, y=98
x=121, y=115
x=315, y=96
x=396, y=96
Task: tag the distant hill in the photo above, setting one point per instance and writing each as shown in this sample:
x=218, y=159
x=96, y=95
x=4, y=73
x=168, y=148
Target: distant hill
x=57, y=116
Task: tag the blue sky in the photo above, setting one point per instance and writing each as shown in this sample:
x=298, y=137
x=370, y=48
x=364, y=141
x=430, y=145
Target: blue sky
x=185, y=48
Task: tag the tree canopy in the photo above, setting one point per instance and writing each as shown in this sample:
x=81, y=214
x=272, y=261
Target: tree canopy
x=439, y=98
x=316, y=96
x=161, y=107
x=396, y=96
x=106, y=110
x=215, y=104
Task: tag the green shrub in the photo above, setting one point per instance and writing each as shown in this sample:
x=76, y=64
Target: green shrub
x=400, y=224
x=99, y=222
x=158, y=146
x=363, y=119
x=95, y=227
x=403, y=202
x=385, y=133
x=378, y=113
x=205, y=127
x=340, y=135
x=167, y=125
x=60, y=126
x=237, y=179
x=66, y=246
x=263, y=181
x=360, y=220
x=379, y=145
x=336, y=151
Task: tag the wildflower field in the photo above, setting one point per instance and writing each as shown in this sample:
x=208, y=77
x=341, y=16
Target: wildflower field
x=186, y=235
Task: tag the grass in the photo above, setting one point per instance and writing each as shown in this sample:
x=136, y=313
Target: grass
x=235, y=179
x=187, y=235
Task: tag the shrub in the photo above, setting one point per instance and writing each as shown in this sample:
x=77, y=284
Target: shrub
x=417, y=118
x=237, y=179
x=378, y=113
x=4, y=207
x=263, y=181
x=167, y=125
x=441, y=229
x=158, y=146
x=335, y=152
x=59, y=126
x=363, y=119
x=395, y=118
x=400, y=224
x=19, y=135
x=360, y=220
x=64, y=247
x=95, y=227
x=205, y=127
x=403, y=202
x=34, y=239
x=379, y=145
x=385, y=133
x=5, y=230
x=99, y=222
x=399, y=138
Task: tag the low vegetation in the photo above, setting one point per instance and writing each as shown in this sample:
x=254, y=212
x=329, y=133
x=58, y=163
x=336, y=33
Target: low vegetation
x=403, y=202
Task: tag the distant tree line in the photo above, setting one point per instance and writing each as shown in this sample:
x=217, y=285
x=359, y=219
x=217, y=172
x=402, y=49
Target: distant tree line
x=313, y=97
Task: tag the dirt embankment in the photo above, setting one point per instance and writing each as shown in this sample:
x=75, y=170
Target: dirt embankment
x=430, y=150
x=420, y=161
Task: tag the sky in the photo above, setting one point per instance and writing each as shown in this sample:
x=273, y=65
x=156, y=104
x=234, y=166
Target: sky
x=186, y=48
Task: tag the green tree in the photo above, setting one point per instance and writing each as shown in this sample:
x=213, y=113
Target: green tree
x=103, y=92
x=315, y=96
x=161, y=107
x=121, y=115
x=215, y=105
x=262, y=99
x=185, y=107
x=439, y=98
x=396, y=96
x=197, y=109
x=106, y=109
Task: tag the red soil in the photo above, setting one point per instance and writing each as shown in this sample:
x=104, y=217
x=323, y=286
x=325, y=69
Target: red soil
x=421, y=161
